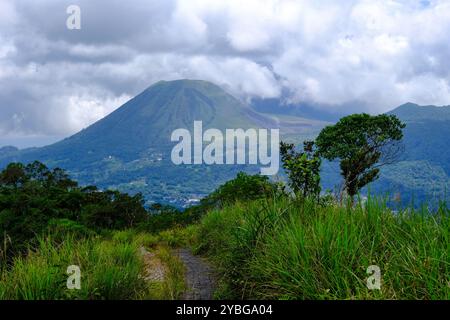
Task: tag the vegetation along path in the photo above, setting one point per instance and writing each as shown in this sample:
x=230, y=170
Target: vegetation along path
x=200, y=279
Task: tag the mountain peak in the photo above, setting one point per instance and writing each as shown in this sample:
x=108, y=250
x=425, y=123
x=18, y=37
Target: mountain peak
x=8, y=150
x=414, y=112
x=180, y=84
x=408, y=105
x=147, y=121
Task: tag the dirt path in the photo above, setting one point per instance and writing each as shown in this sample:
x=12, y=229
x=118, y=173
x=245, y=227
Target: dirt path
x=200, y=277
x=154, y=269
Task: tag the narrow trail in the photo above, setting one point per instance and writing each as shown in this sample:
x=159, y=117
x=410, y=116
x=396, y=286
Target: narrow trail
x=154, y=269
x=200, y=278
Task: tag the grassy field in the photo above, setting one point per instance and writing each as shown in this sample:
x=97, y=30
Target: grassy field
x=111, y=267
x=285, y=249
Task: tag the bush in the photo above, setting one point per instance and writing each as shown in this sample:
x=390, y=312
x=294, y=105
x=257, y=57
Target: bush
x=146, y=240
x=242, y=188
x=171, y=238
x=59, y=229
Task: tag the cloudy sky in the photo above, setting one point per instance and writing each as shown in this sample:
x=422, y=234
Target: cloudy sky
x=376, y=54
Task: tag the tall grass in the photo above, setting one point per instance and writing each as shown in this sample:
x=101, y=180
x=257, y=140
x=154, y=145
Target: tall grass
x=109, y=270
x=285, y=249
x=174, y=284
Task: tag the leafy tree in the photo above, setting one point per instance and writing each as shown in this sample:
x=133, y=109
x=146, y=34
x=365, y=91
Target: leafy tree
x=37, y=171
x=129, y=209
x=363, y=143
x=60, y=178
x=302, y=168
x=242, y=188
x=14, y=175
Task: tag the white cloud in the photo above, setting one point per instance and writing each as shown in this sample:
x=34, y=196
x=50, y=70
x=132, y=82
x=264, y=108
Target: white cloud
x=380, y=53
x=85, y=109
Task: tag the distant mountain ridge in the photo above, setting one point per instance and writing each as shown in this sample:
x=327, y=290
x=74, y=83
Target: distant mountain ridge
x=411, y=112
x=7, y=150
x=423, y=172
x=427, y=132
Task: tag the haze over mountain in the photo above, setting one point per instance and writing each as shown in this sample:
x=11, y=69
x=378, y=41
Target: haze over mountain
x=303, y=109
x=130, y=148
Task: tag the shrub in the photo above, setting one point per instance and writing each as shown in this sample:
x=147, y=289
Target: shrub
x=59, y=229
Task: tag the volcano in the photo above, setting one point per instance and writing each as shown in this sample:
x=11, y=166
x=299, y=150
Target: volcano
x=130, y=148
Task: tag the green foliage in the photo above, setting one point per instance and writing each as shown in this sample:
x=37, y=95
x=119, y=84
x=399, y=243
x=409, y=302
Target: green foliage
x=17, y=175
x=174, y=284
x=35, y=200
x=303, y=168
x=172, y=238
x=119, y=211
x=362, y=143
x=242, y=188
x=163, y=217
x=109, y=270
x=59, y=229
x=13, y=175
x=285, y=249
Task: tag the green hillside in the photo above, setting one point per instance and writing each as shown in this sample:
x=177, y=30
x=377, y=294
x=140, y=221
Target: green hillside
x=423, y=172
x=426, y=133
x=130, y=149
x=412, y=112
